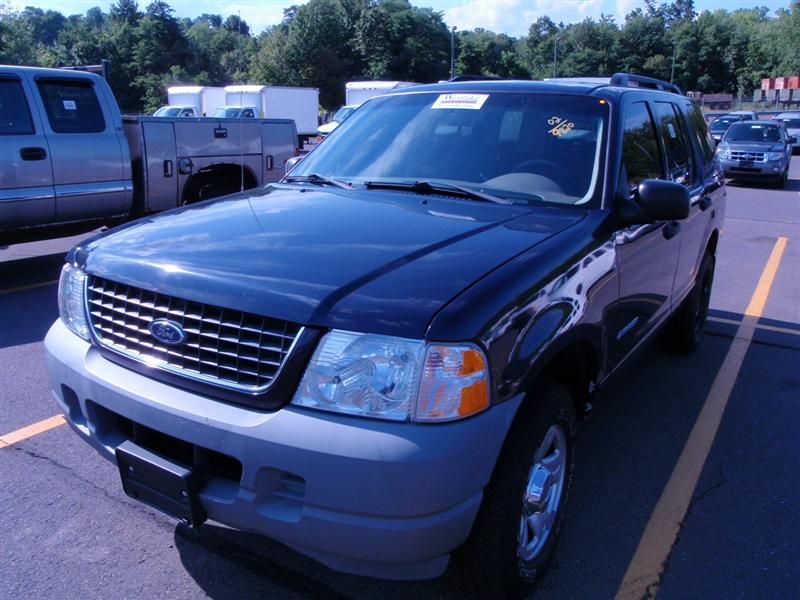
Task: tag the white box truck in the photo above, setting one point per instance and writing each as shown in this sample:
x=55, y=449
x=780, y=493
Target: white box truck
x=279, y=102
x=358, y=92
x=192, y=101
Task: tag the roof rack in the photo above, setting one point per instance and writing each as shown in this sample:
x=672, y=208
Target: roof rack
x=101, y=69
x=631, y=80
x=473, y=78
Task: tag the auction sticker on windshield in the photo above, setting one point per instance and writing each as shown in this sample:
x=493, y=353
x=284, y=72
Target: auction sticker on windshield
x=465, y=101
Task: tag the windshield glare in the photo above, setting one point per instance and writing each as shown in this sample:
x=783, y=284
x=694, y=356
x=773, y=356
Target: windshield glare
x=743, y=132
x=523, y=147
x=167, y=112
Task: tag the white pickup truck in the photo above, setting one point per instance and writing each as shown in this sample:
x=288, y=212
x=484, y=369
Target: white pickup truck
x=67, y=155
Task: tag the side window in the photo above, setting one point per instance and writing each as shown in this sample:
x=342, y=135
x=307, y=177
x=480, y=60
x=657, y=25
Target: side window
x=72, y=106
x=247, y=113
x=15, y=118
x=675, y=143
x=701, y=134
x=640, y=155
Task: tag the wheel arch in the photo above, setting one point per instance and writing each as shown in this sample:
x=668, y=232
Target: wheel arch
x=228, y=175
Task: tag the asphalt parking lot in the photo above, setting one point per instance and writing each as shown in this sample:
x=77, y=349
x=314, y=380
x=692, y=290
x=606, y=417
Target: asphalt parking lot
x=68, y=530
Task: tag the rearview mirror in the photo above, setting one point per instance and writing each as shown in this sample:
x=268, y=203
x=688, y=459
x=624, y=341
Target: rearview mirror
x=663, y=200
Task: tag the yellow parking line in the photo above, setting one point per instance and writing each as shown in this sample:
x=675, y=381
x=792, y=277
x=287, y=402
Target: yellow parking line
x=31, y=430
x=763, y=326
x=32, y=286
x=643, y=576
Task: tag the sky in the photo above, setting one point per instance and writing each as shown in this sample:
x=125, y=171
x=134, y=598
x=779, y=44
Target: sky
x=512, y=17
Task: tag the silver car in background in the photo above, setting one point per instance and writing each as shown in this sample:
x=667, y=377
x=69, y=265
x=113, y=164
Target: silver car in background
x=791, y=120
x=756, y=150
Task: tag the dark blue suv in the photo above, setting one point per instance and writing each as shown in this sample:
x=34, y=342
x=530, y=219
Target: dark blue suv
x=380, y=360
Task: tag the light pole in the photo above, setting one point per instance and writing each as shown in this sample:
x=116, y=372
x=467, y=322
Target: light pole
x=674, y=54
x=555, y=57
x=453, y=52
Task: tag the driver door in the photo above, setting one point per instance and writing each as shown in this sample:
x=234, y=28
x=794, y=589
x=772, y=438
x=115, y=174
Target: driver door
x=647, y=255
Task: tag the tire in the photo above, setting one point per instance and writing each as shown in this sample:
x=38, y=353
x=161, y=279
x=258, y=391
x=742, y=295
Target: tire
x=684, y=331
x=496, y=561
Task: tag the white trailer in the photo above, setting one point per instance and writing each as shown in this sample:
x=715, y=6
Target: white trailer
x=205, y=99
x=358, y=92
x=279, y=102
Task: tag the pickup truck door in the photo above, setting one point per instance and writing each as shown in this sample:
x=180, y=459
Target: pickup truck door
x=647, y=254
x=26, y=177
x=90, y=174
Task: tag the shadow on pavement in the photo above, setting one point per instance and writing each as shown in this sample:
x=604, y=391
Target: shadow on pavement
x=26, y=316
x=30, y=271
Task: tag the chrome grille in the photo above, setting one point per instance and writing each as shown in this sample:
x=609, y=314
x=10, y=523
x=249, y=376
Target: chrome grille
x=225, y=347
x=751, y=156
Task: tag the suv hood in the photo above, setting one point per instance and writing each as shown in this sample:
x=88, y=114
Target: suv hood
x=755, y=146
x=367, y=260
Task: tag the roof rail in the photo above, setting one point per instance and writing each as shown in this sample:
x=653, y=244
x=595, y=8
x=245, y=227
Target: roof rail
x=473, y=78
x=631, y=80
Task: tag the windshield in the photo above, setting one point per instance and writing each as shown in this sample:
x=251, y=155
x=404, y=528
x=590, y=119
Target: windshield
x=522, y=147
x=167, y=111
x=343, y=113
x=227, y=113
x=790, y=122
x=723, y=122
x=753, y=132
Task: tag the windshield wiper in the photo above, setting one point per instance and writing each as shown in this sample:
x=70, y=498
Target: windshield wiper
x=431, y=187
x=317, y=179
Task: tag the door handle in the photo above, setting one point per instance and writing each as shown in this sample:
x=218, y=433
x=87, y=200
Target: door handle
x=167, y=168
x=671, y=229
x=32, y=153
x=705, y=203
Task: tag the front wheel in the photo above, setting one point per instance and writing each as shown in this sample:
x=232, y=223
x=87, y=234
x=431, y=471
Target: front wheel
x=515, y=534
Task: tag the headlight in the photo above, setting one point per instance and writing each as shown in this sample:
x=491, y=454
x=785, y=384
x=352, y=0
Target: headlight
x=776, y=155
x=71, y=307
x=724, y=152
x=394, y=378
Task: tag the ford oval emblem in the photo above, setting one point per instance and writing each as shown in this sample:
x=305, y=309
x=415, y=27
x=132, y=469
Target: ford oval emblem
x=167, y=332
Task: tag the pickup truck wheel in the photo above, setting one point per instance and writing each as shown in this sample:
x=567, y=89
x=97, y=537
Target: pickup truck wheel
x=684, y=331
x=516, y=530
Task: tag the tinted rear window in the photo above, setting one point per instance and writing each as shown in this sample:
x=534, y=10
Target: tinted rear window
x=15, y=118
x=72, y=106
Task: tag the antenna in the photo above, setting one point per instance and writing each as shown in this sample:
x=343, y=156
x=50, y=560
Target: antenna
x=241, y=110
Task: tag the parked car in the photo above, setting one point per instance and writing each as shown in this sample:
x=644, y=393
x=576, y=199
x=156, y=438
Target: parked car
x=791, y=120
x=748, y=115
x=720, y=125
x=757, y=150
x=338, y=118
x=381, y=359
x=176, y=111
x=68, y=157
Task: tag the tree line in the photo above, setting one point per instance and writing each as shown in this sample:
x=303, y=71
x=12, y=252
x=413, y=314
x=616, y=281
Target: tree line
x=326, y=43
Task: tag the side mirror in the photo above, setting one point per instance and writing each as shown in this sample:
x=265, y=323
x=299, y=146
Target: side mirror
x=663, y=200
x=292, y=163
x=653, y=200
x=792, y=139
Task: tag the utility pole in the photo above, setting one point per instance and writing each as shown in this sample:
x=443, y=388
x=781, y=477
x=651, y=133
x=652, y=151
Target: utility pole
x=453, y=52
x=555, y=57
x=674, y=54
